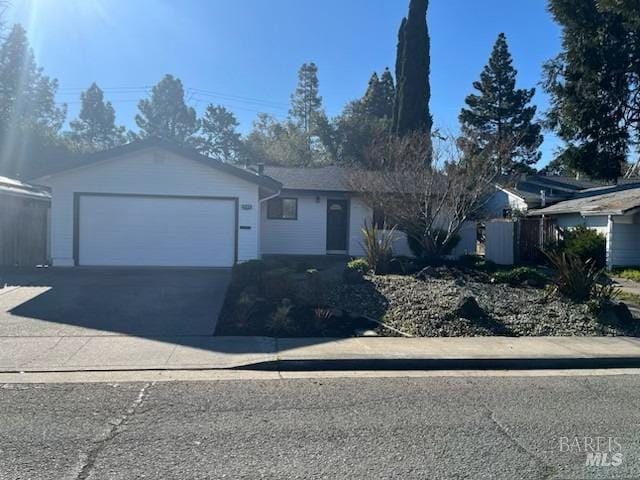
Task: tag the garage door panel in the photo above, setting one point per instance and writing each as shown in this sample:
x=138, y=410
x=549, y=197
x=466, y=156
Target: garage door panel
x=156, y=231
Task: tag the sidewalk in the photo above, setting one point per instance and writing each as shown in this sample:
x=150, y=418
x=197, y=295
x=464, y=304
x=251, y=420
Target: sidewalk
x=115, y=353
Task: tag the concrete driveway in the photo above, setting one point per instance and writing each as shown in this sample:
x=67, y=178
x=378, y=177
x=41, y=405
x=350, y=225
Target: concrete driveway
x=104, y=301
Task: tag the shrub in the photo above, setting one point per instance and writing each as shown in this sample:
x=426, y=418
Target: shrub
x=277, y=284
x=586, y=244
x=280, y=323
x=519, y=275
x=247, y=273
x=314, y=291
x=575, y=278
x=377, y=245
x=602, y=295
x=440, y=248
x=244, y=308
x=358, y=265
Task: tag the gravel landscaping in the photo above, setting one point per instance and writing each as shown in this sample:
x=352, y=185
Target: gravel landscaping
x=435, y=307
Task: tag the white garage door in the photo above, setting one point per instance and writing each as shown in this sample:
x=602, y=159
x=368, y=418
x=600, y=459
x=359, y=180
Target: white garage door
x=156, y=231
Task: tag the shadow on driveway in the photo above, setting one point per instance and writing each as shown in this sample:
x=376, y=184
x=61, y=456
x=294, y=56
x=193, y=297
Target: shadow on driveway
x=102, y=301
x=106, y=318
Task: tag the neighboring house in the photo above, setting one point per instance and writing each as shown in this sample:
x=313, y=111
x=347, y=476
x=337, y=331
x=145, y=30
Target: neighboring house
x=533, y=191
x=24, y=213
x=614, y=211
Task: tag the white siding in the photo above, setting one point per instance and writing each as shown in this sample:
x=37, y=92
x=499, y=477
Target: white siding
x=624, y=248
x=501, y=200
x=308, y=234
x=305, y=236
x=360, y=213
x=152, y=172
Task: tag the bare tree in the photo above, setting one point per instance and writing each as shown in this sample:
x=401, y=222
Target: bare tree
x=429, y=201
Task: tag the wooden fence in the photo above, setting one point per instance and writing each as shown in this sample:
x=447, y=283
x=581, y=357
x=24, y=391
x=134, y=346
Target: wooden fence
x=519, y=240
x=23, y=231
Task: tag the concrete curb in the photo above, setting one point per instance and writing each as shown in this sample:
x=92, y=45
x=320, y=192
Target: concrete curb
x=310, y=365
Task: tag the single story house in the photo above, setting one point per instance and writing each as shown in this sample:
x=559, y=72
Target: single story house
x=613, y=211
x=533, y=191
x=24, y=216
x=152, y=203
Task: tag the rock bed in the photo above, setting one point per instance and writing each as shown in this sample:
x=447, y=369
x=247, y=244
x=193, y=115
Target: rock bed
x=428, y=308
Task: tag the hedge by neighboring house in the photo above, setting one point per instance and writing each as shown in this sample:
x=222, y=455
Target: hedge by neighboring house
x=613, y=211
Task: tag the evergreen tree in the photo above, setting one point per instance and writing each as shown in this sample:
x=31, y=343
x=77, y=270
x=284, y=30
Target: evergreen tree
x=412, y=73
x=166, y=115
x=95, y=127
x=306, y=102
x=379, y=97
x=219, y=139
x=593, y=84
x=388, y=92
x=29, y=117
x=499, y=115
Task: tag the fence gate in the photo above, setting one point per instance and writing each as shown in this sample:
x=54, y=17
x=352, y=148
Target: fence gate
x=532, y=234
x=23, y=231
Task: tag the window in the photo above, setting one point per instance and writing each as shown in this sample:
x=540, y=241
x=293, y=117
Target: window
x=282, y=208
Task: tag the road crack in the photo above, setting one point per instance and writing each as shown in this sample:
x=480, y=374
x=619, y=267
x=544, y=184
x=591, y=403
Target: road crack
x=113, y=431
x=550, y=471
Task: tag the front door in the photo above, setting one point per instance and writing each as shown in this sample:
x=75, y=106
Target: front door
x=337, y=225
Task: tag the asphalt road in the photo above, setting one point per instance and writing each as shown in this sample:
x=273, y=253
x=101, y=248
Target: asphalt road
x=428, y=428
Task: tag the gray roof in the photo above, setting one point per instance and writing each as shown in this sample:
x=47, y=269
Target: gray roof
x=320, y=179
x=13, y=187
x=613, y=201
x=83, y=160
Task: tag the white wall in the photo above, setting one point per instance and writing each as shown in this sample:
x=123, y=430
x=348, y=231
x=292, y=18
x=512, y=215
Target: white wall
x=624, y=244
x=305, y=236
x=151, y=171
x=359, y=214
x=308, y=234
x=499, y=201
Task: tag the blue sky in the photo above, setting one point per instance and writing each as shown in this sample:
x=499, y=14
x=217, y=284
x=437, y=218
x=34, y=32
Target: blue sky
x=245, y=54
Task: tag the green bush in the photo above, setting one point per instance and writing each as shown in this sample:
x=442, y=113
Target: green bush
x=359, y=265
x=575, y=278
x=280, y=323
x=519, y=275
x=585, y=244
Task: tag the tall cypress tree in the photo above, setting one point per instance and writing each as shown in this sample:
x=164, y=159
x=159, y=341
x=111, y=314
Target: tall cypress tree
x=499, y=115
x=412, y=73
